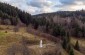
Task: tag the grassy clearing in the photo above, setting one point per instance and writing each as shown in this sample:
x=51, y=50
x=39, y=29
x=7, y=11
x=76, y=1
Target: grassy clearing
x=6, y=39
x=81, y=41
x=10, y=38
x=81, y=44
x=77, y=52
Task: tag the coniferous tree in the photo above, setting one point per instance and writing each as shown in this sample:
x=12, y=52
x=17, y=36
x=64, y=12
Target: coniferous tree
x=77, y=46
x=57, y=30
x=62, y=32
x=1, y=13
x=64, y=43
x=36, y=25
x=71, y=52
x=47, y=27
x=68, y=37
x=83, y=31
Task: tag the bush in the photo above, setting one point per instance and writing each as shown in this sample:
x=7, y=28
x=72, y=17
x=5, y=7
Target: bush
x=5, y=31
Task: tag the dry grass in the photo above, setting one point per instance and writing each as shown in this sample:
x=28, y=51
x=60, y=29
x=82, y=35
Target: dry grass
x=81, y=45
x=77, y=52
x=46, y=49
x=10, y=38
x=81, y=41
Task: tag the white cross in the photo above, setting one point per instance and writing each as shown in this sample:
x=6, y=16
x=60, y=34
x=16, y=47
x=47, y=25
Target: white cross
x=41, y=43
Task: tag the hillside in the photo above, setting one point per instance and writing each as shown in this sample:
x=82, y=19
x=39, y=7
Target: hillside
x=10, y=39
x=61, y=32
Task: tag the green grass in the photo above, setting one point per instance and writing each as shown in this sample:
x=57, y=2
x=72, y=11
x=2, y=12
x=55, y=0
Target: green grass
x=2, y=34
x=6, y=39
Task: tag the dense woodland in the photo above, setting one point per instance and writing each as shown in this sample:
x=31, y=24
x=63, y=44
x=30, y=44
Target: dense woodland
x=64, y=21
x=11, y=15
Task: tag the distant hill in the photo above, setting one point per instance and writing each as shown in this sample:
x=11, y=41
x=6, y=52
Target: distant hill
x=62, y=16
x=64, y=13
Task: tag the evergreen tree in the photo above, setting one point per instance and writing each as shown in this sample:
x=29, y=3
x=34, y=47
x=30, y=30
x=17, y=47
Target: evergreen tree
x=56, y=30
x=77, y=46
x=69, y=48
x=83, y=31
x=64, y=43
x=47, y=27
x=68, y=37
x=36, y=25
x=71, y=52
x=62, y=32
x=1, y=13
